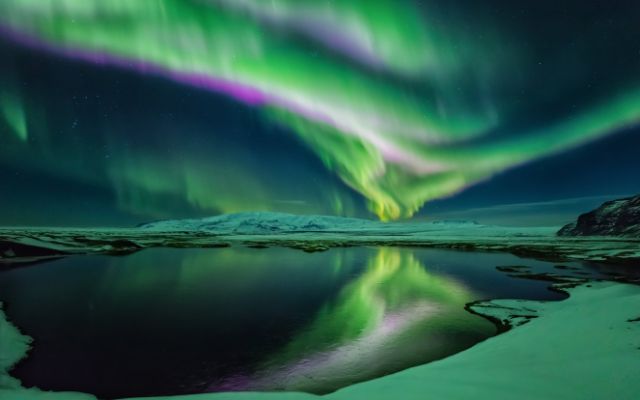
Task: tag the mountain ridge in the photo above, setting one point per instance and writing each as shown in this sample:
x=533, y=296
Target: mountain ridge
x=259, y=222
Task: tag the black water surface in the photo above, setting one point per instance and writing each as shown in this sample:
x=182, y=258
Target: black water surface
x=169, y=321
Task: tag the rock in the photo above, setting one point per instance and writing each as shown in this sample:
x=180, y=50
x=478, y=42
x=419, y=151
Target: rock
x=614, y=218
x=11, y=250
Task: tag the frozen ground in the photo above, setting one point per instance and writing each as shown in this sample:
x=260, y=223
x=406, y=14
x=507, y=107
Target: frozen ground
x=587, y=346
x=311, y=233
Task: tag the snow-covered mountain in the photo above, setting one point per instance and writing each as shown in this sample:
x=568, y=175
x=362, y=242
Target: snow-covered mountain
x=271, y=222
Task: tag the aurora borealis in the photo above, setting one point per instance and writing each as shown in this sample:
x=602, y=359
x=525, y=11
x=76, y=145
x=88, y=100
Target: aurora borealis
x=394, y=102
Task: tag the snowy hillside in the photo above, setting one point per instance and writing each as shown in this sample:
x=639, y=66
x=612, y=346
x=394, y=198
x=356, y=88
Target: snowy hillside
x=261, y=223
x=264, y=222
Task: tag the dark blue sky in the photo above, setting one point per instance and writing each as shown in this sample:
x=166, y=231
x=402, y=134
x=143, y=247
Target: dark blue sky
x=97, y=134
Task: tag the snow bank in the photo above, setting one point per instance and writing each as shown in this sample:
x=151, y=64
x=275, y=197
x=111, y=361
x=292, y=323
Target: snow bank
x=13, y=347
x=586, y=347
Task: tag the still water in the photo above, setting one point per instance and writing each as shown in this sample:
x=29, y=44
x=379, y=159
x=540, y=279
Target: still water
x=174, y=321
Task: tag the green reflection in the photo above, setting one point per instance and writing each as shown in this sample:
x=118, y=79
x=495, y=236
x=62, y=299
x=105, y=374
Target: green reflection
x=395, y=315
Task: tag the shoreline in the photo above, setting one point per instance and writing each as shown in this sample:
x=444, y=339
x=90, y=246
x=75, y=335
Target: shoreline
x=547, y=336
x=28, y=245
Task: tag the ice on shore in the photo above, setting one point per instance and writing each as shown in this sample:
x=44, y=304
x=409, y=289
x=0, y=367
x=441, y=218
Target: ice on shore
x=13, y=347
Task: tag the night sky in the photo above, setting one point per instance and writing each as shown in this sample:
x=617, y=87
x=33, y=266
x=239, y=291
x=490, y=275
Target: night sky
x=115, y=112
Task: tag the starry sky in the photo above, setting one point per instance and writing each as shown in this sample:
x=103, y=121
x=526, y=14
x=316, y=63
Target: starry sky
x=115, y=112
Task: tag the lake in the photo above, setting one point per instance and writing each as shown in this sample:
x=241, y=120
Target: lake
x=178, y=321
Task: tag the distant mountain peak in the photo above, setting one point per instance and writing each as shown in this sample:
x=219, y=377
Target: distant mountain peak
x=259, y=222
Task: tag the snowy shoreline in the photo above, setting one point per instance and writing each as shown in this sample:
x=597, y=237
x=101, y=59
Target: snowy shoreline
x=587, y=346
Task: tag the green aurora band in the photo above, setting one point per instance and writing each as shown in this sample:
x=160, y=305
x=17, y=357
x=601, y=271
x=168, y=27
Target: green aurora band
x=14, y=114
x=401, y=104
x=382, y=315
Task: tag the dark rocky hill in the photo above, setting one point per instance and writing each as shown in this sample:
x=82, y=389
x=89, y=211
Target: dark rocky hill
x=614, y=218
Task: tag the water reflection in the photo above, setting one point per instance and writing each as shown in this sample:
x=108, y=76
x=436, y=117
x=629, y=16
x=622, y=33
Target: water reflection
x=395, y=315
x=171, y=321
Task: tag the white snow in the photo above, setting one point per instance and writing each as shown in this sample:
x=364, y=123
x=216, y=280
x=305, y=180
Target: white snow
x=13, y=347
x=261, y=223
